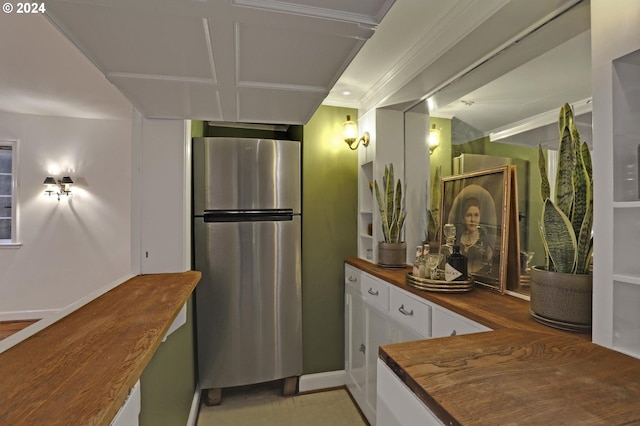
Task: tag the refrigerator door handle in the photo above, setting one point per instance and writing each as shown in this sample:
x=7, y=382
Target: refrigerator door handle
x=273, y=215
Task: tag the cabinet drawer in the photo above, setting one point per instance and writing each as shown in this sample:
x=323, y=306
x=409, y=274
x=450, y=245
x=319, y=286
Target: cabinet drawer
x=410, y=312
x=447, y=323
x=351, y=275
x=375, y=291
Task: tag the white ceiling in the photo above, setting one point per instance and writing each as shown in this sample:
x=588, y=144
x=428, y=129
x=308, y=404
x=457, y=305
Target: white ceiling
x=236, y=60
x=271, y=61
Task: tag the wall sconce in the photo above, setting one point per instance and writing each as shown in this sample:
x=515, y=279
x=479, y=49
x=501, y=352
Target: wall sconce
x=434, y=138
x=350, y=134
x=59, y=187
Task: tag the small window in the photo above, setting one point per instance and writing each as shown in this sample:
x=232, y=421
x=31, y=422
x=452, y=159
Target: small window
x=7, y=192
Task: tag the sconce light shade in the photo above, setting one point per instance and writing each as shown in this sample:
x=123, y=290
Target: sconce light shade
x=60, y=187
x=434, y=138
x=349, y=131
x=350, y=134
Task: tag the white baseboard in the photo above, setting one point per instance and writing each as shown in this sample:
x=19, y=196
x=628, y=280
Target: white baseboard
x=329, y=379
x=195, y=407
x=26, y=315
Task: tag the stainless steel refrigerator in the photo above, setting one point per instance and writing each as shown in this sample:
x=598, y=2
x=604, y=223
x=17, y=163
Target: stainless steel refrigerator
x=246, y=199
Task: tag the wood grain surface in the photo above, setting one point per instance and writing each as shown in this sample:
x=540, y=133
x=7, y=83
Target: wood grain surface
x=79, y=370
x=482, y=305
x=7, y=328
x=515, y=377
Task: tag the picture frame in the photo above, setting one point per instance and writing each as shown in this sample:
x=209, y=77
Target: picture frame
x=485, y=198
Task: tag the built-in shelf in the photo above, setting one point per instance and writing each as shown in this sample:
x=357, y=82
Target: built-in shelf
x=626, y=204
x=627, y=279
x=624, y=283
x=365, y=207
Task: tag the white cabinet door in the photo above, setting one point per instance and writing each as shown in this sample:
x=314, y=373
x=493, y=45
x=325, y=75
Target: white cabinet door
x=356, y=350
x=397, y=404
x=129, y=412
x=380, y=333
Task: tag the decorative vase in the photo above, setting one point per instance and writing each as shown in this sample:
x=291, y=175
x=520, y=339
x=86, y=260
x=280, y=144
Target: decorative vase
x=561, y=300
x=392, y=255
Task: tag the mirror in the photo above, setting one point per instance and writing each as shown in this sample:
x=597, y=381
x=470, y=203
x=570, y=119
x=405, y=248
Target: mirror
x=500, y=111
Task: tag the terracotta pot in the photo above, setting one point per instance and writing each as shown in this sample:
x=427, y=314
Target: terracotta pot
x=561, y=300
x=392, y=255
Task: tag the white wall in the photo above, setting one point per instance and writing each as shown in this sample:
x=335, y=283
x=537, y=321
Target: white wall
x=73, y=246
x=161, y=240
x=416, y=173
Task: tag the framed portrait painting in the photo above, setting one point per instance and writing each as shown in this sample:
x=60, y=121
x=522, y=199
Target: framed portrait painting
x=478, y=204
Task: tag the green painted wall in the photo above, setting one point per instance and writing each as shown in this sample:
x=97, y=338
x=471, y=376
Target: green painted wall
x=168, y=383
x=329, y=229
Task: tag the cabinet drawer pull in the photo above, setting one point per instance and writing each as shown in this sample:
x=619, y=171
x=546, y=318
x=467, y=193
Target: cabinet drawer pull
x=404, y=311
x=373, y=293
x=453, y=333
x=363, y=348
x=352, y=279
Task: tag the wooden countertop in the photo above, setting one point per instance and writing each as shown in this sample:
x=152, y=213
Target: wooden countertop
x=79, y=370
x=522, y=373
x=482, y=305
x=519, y=378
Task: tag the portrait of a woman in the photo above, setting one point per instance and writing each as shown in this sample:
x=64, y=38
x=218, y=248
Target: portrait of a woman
x=479, y=205
x=474, y=214
x=473, y=240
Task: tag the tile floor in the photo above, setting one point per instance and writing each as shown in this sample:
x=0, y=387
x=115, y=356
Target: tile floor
x=264, y=405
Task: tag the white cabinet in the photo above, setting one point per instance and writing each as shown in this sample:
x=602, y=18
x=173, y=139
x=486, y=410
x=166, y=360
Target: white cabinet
x=355, y=338
x=410, y=312
x=129, y=412
x=368, y=325
x=378, y=313
x=446, y=323
x=615, y=43
x=397, y=404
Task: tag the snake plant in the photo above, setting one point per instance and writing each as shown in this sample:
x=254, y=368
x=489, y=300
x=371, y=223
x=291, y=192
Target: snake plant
x=391, y=206
x=568, y=219
x=433, y=214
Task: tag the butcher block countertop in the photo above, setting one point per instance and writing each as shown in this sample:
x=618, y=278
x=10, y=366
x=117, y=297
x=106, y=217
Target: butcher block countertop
x=79, y=370
x=522, y=373
x=515, y=377
x=482, y=305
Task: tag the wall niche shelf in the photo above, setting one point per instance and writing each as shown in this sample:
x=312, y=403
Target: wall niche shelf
x=365, y=207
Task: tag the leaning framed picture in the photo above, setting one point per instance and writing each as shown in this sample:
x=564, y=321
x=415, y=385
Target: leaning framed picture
x=477, y=206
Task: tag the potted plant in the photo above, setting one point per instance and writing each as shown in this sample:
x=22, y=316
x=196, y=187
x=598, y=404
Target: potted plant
x=433, y=213
x=392, y=252
x=561, y=290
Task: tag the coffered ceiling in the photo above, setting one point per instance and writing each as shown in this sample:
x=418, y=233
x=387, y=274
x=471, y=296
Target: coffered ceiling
x=270, y=61
x=262, y=61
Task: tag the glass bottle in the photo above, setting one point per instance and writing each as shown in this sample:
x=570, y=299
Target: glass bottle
x=419, y=260
x=456, y=266
x=449, y=232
